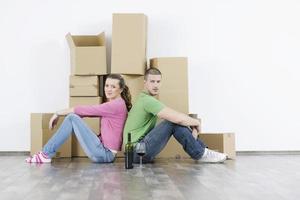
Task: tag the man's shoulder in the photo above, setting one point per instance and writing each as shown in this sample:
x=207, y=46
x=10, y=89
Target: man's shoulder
x=146, y=99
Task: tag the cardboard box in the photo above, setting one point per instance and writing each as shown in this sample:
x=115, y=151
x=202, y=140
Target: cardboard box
x=135, y=84
x=88, y=54
x=93, y=123
x=121, y=154
x=84, y=86
x=102, y=80
x=129, y=38
x=174, y=82
x=173, y=149
x=75, y=101
x=221, y=142
x=40, y=134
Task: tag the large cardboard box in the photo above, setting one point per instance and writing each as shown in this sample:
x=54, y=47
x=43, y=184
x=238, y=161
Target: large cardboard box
x=174, y=82
x=221, y=142
x=129, y=37
x=88, y=54
x=40, y=134
x=135, y=84
x=84, y=86
x=93, y=123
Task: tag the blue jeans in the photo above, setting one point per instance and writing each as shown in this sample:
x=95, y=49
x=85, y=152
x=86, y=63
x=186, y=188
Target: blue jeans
x=159, y=136
x=89, y=142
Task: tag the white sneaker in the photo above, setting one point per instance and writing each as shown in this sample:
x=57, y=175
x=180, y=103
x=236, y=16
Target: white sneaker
x=211, y=156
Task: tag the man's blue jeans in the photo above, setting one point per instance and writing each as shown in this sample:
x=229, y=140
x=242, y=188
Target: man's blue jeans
x=159, y=136
x=88, y=140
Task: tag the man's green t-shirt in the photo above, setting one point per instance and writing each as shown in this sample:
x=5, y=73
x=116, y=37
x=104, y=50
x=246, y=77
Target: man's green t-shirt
x=142, y=117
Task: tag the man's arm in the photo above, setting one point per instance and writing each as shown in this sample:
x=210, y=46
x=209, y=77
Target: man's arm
x=177, y=117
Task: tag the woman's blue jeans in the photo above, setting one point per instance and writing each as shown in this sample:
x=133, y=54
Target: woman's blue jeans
x=88, y=140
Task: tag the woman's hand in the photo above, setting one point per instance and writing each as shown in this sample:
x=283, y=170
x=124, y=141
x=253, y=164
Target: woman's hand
x=53, y=121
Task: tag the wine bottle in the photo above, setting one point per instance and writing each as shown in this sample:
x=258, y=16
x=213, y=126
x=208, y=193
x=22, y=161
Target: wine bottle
x=129, y=153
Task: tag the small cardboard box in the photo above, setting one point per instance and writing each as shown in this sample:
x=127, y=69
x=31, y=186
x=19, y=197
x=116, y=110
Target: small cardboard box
x=84, y=86
x=40, y=134
x=93, y=123
x=221, y=142
x=88, y=54
x=135, y=84
x=174, y=82
x=129, y=38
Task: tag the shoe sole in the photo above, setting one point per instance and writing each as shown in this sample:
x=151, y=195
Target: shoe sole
x=211, y=162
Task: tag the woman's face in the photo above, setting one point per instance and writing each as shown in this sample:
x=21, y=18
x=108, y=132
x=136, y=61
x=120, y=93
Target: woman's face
x=112, y=89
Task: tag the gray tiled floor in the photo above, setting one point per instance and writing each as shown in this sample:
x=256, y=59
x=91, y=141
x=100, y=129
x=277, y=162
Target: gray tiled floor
x=248, y=177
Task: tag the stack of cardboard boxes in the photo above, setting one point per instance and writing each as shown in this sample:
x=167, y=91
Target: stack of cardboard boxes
x=88, y=68
x=128, y=53
x=128, y=57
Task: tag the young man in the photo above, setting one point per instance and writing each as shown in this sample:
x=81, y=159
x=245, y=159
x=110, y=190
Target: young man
x=142, y=119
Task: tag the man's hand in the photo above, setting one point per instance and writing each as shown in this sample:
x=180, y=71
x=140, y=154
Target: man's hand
x=195, y=132
x=197, y=128
x=53, y=121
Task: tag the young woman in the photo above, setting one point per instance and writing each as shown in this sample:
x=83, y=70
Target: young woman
x=113, y=113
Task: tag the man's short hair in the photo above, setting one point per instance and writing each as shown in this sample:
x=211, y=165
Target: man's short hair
x=152, y=71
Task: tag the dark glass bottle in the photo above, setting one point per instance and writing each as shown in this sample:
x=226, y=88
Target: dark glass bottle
x=129, y=153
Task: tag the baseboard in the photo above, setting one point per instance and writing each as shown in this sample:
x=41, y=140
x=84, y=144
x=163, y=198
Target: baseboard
x=14, y=153
x=245, y=153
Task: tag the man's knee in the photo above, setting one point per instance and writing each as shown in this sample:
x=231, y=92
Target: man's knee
x=182, y=128
x=168, y=123
x=177, y=126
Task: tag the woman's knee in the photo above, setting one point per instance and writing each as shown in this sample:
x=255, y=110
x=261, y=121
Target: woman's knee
x=72, y=116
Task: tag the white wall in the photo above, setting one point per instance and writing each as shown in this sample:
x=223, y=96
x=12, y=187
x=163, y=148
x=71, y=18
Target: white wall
x=243, y=62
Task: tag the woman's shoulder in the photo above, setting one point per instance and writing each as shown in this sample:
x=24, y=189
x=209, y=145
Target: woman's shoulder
x=118, y=103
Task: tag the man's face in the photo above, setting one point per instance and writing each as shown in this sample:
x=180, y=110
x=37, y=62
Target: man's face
x=152, y=84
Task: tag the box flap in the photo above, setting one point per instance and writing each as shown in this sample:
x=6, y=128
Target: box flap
x=70, y=40
x=86, y=40
x=101, y=38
